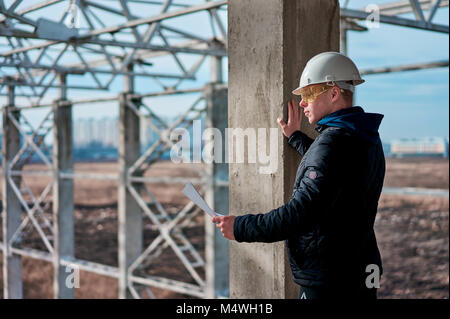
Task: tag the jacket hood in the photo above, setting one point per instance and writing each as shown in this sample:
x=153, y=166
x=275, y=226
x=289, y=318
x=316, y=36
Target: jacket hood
x=356, y=120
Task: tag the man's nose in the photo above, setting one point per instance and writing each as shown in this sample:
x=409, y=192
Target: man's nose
x=303, y=103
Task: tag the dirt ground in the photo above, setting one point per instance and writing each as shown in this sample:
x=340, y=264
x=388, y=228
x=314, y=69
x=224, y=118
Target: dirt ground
x=412, y=232
x=417, y=172
x=413, y=238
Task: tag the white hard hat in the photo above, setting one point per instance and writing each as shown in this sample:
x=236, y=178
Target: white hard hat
x=330, y=67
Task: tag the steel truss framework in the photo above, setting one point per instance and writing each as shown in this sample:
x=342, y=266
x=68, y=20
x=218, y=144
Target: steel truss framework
x=88, y=46
x=87, y=41
x=169, y=226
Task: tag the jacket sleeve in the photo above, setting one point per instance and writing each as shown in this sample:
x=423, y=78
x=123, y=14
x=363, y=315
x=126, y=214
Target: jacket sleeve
x=316, y=191
x=300, y=141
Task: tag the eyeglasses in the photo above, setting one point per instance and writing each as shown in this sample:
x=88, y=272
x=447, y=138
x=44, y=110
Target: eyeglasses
x=310, y=93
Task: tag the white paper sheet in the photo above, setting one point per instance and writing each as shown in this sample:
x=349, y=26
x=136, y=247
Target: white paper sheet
x=194, y=196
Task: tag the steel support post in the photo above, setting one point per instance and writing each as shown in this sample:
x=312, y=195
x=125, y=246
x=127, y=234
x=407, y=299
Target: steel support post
x=63, y=207
x=343, y=42
x=343, y=37
x=11, y=214
x=130, y=215
x=216, y=246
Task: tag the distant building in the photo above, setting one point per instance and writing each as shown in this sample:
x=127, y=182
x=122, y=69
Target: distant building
x=430, y=146
x=98, y=138
x=102, y=132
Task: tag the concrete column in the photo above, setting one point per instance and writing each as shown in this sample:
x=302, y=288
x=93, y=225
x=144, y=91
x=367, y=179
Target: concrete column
x=216, y=247
x=11, y=214
x=63, y=223
x=269, y=43
x=130, y=216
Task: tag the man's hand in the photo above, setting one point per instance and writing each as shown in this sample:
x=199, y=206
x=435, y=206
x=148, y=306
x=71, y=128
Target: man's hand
x=226, y=225
x=295, y=119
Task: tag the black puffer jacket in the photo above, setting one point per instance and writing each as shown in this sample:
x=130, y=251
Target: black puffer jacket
x=328, y=223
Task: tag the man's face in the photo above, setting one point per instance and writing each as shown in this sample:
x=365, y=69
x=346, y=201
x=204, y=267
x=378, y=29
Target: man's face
x=318, y=108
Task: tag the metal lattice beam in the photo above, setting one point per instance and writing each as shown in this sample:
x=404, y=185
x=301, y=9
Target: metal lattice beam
x=395, y=20
x=138, y=38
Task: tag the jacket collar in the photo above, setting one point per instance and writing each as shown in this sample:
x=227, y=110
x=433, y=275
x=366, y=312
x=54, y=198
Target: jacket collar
x=353, y=119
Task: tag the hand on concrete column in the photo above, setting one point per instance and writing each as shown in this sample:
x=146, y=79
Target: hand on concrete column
x=226, y=225
x=294, y=121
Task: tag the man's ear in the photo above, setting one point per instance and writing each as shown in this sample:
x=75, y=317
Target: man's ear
x=335, y=93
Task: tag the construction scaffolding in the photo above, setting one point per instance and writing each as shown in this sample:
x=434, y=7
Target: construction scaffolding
x=91, y=45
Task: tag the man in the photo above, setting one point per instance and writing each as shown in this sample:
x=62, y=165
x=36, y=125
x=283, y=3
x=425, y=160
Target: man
x=328, y=223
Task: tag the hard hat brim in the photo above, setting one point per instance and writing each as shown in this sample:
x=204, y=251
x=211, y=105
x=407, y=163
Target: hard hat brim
x=297, y=91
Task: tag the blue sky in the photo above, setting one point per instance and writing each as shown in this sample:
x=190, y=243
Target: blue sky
x=414, y=103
